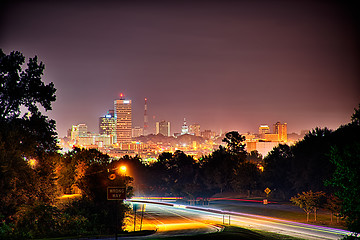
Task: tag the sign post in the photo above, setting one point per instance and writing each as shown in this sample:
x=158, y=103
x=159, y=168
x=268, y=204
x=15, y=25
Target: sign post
x=267, y=191
x=116, y=193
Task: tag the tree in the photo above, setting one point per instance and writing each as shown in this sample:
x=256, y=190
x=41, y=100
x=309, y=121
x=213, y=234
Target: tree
x=234, y=142
x=355, y=118
x=277, y=170
x=346, y=180
x=254, y=157
x=333, y=204
x=26, y=135
x=308, y=201
x=22, y=89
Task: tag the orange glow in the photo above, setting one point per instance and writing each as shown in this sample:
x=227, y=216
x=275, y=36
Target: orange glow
x=122, y=169
x=32, y=163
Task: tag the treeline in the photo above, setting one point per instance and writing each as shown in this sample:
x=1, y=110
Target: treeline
x=34, y=176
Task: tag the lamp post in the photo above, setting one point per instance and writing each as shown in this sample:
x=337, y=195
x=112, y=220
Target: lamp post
x=122, y=170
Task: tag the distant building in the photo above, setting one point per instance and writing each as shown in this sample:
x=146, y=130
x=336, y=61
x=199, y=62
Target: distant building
x=123, y=120
x=281, y=130
x=264, y=129
x=195, y=129
x=163, y=127
x=107, y=124
x=79, y=130
x=208, y=134
x=184, y=128
x=263, y=147
x=137, y=131
x=272, y=137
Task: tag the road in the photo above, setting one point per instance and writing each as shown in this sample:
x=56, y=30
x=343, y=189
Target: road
x=171, y=219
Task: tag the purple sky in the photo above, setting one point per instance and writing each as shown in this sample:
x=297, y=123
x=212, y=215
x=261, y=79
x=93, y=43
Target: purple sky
x=229, y=65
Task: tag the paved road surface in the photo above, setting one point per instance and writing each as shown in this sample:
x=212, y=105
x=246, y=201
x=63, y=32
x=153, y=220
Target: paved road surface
x=172, y=219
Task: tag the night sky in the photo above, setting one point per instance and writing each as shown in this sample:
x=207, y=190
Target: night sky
x=229, y=65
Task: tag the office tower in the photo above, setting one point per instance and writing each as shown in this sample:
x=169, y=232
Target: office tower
x=163, y=127
x=184, y=128
x=264, y=129
x=122, y=114
x=281, y=130
x=79, y=130
x=195, y=129
x=146, y=120
x=107, y=124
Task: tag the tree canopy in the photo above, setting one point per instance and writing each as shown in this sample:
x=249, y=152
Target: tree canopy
x=27, y=137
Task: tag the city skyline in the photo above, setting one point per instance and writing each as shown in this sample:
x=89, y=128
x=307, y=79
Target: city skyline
x=225, y=65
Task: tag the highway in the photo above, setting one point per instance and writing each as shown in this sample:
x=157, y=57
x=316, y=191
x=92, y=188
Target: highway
x=172, y=220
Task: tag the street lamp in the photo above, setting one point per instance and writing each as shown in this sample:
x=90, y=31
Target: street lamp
x=122, y=170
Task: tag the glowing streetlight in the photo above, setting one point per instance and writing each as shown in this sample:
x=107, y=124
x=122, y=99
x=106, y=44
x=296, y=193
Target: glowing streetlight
x=32, y=163
x=122, y=170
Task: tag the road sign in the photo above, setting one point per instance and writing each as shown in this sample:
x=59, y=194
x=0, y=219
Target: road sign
x=267, y=190
x=116, y=193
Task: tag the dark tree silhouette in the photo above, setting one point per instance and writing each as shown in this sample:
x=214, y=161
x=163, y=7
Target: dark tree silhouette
x=26, y=135
x=234, y=142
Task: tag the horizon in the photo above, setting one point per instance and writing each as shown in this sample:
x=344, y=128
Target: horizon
x=225, y=65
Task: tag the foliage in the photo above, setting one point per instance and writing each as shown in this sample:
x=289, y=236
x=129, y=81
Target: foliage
x=254, y=157
x=227, y=169
x=309, y=201
x=333, y=204
x=346, y=181
x=39, y=220
x=277, y=171
x=27, y=138
x=85, y=216
x=22, y=88
x=355, y=118
x=177, y=175
x=234, y=142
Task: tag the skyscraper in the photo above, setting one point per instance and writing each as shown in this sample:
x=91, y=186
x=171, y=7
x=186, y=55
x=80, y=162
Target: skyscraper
x=79, y=130
x=107, y=124
x=184, y=128
x=264, y=129
x=146, y=119
x=163, y=128
x=281, y=130
x=123, y=123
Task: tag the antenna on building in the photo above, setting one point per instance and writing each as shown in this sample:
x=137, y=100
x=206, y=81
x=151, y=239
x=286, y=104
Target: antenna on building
x=146, y=120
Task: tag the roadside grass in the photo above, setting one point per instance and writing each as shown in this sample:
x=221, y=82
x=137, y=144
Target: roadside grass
x=294, y=214
x=232, y=233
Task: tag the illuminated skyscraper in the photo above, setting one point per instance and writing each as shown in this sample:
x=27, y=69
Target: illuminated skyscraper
x=123, y=124
x=163, y=128
x=264, y=129
x=79, y=130
x=107, y=124
x=184, y=128
x=146, y=120
x=281, y=130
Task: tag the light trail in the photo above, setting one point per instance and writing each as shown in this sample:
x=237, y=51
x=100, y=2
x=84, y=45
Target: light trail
x=170, y=221
x=253, y=221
